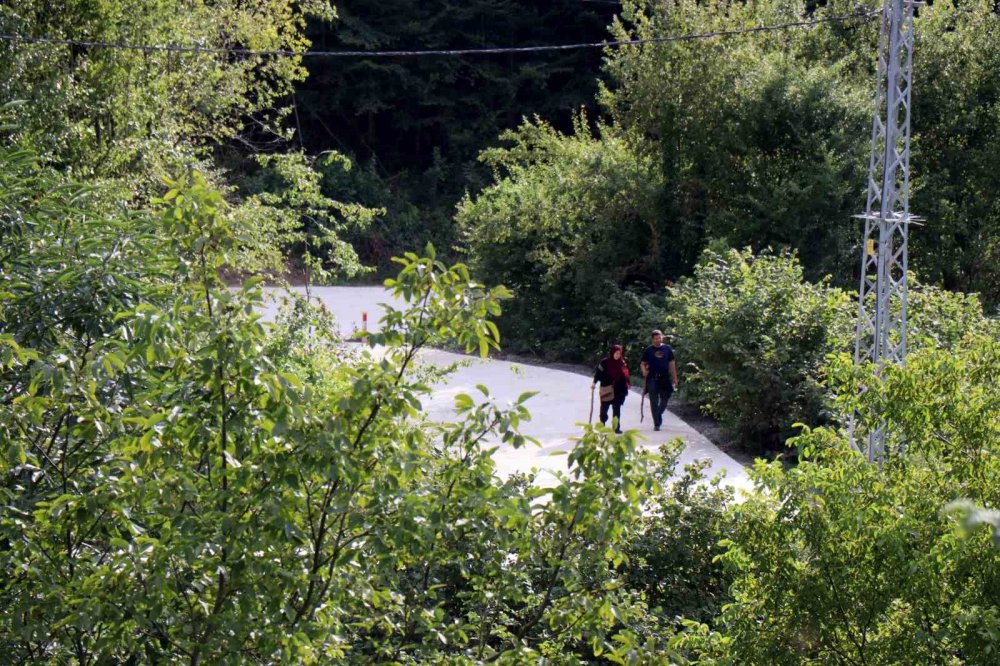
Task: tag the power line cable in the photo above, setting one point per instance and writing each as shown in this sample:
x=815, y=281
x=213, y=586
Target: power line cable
x=175, y=48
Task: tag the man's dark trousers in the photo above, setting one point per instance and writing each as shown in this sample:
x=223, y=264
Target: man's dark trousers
x=659, y=389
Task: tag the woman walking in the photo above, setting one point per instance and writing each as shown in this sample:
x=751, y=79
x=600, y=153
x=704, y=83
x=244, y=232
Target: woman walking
x=612, y=375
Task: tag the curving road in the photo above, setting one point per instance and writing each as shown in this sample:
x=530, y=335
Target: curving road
x=562, y=403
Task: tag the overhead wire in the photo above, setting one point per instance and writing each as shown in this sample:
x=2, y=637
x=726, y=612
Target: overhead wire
x=179, y=48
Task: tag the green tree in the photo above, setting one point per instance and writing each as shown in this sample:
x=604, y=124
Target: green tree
x=955, y=146
x=762, y=138
x=675, y=558
x=416, y=124
x=753, y=336
x=566, y=227
x=130, y=117
x=284, y=210
x=841, y=561
x=183, y=484
x=134, y=114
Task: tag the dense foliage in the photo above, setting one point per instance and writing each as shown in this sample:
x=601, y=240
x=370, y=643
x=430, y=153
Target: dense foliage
x=762, y=138
x=756, y=140
x=181, y=483
x=115, y=112
x=417, y=123
x=675, y=558
x=129, y=118
x=566, y=226
x=285, y=209
x=849, y=562
x=755, y=336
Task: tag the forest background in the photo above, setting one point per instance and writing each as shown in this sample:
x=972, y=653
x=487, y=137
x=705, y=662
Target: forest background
x=579, y=177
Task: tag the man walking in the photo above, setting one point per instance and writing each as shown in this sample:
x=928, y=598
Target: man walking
x=660, y=372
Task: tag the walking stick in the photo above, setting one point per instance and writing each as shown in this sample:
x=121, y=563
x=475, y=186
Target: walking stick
x=590, y=419
x=642, y=401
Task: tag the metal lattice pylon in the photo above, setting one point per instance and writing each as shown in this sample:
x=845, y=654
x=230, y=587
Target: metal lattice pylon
x=881, y=328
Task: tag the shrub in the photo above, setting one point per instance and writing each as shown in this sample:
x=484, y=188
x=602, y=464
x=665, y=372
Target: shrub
x=182, y=484
x=566, y=226
x=674, y=559
x=842, y=561
x=752, y=336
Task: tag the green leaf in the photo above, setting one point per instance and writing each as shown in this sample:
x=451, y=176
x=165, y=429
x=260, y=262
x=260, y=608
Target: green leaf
x=16, y=454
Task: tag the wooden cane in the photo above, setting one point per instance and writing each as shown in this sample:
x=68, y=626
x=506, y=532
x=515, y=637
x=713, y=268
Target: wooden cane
x=590, y=419
x=642, y=401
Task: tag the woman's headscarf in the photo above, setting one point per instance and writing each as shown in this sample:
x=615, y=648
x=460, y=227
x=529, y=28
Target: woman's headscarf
x=617, y=369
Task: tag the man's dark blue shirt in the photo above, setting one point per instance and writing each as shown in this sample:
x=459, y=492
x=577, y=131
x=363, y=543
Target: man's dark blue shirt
x=658, y=360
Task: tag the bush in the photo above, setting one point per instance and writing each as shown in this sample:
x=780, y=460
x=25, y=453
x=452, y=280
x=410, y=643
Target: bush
x=566, y=227
x=674, y=560
x=182, y=484
x=286, y=211
x=842, y=561
x=752, y=336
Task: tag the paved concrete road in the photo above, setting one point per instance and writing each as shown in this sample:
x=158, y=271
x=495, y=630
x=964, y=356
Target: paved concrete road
x=348, y=305
x=562, y=403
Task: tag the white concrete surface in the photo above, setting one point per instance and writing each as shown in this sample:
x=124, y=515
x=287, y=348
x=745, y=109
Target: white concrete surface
x=347, y=304
x=562, y=402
